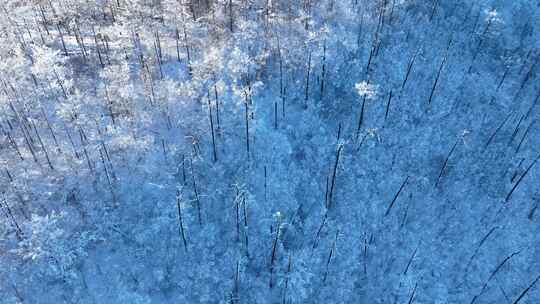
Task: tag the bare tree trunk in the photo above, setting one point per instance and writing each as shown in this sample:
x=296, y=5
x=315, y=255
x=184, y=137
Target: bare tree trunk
x=43, y=146
x=212, y=127
x=98, y=48
x=180, y=219
x=187, y=49
x=247, y=125
x=231, y=15
x=62, y=39
x=197, y=200
x=307, y=80
x=323, y=71
x=334, y=175
x=274, y=252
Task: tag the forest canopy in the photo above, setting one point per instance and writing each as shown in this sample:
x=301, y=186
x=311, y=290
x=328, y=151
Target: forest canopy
x=269, y=151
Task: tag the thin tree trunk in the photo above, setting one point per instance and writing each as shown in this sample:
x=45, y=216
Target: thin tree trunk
x=180, y=219
x=212, y=127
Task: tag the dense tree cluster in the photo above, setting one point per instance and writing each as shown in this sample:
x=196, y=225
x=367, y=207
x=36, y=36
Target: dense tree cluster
x=269, y=151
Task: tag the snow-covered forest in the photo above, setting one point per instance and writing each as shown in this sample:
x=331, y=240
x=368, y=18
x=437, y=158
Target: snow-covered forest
x=269, y=151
